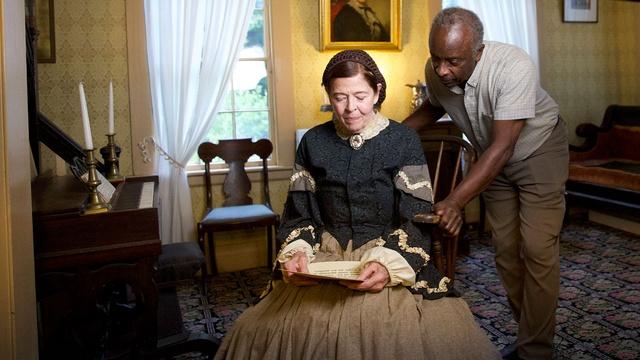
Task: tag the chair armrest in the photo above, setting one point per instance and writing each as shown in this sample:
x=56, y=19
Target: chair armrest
x=426, y=218
x=588, y=131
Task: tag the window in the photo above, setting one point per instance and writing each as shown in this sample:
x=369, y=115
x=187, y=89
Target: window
x=281, y=121
x=247, y=109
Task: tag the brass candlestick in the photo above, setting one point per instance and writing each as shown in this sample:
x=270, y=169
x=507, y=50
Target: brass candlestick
x=94, y=203
x=110, y=155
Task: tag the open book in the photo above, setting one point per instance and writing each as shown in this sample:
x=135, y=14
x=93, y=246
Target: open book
x=332, y=270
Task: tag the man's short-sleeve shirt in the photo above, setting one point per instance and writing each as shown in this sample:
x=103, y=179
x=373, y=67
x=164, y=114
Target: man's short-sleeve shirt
x=503, y=86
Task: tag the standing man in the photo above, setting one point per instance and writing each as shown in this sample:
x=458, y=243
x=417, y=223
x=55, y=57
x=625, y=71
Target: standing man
x=491, y=92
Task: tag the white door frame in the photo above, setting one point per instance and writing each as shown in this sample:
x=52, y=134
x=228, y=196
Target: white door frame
x=18, y=320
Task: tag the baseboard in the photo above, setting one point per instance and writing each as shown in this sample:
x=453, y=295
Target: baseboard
x=615, y=222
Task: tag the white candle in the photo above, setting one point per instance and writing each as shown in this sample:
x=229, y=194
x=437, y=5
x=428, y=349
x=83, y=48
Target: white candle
x=111, y=124
x=85, y=119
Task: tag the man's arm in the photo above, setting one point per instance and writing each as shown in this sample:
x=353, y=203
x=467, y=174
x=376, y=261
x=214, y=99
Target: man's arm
x=505, y=136
x=426, y=114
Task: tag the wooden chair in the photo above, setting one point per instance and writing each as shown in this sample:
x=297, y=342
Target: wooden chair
x=238, y=210
x=449, y=158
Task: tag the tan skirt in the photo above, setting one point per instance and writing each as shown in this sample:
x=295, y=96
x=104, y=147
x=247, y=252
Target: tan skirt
x=329, y=321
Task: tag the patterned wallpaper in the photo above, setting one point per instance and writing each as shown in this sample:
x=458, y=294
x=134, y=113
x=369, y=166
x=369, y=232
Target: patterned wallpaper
x=91, y=46
x=588, y=66
x=628, y=43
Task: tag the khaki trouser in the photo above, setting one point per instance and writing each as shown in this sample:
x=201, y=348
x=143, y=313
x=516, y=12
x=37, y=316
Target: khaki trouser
x=525, y=207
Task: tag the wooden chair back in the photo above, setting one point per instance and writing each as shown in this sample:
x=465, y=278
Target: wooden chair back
x=235, y=154
x=449, y=158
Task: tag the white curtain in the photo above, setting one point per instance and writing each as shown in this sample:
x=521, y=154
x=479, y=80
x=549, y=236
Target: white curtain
x=192, y=46
x=507, y=21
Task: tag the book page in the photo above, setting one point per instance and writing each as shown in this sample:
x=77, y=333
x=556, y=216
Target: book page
x=333, y=270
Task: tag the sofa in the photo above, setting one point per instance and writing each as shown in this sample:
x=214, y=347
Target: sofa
x=604, y=172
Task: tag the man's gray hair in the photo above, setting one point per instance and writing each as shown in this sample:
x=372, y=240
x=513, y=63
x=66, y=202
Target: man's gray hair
x=456, y=15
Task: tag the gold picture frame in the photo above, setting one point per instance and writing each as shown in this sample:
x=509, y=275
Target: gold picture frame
x=342, y=24
x=45, y=44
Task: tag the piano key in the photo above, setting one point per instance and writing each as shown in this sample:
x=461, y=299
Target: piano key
x=146, y=196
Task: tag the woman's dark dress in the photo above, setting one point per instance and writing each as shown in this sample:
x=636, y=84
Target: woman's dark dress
x=344, y=203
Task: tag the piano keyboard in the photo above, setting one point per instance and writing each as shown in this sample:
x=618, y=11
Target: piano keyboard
x=135, y=195
x=146, y=196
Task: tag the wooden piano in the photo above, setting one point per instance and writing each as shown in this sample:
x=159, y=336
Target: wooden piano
x=94, y=273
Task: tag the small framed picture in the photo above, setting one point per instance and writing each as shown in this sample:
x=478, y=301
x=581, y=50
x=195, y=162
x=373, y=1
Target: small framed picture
x=581, y=11
x=360, y=24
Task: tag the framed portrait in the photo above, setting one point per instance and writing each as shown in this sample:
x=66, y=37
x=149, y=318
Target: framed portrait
x=580, y=11
x=360, y=24
x=45, y=45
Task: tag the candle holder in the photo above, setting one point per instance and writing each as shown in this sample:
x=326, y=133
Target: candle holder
x=419, y=92
x=110, y=154
x=94, y=203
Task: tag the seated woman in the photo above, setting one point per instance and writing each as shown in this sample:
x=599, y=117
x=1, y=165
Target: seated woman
x=357, y=183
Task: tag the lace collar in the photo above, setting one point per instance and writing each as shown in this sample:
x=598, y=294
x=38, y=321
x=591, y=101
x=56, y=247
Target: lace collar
x=371, y=130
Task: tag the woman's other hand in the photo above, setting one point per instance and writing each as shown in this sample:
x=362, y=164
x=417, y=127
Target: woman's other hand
x=374, y=275
x=298, y=263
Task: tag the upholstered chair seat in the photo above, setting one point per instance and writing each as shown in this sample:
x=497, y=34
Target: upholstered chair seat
x=178, y=262
x=238, y=216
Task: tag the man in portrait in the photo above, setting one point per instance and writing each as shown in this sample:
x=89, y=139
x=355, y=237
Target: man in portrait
x=356, y=20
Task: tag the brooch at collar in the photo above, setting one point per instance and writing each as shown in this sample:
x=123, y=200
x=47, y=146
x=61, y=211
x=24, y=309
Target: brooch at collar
x=356, y=141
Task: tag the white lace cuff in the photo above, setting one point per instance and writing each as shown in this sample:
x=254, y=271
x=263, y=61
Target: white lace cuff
x=293, y=247
x=400, y=272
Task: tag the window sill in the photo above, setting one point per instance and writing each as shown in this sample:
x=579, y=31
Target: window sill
x=196, y=177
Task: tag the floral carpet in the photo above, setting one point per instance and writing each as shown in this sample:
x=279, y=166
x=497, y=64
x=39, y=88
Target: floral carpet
x=598, y=314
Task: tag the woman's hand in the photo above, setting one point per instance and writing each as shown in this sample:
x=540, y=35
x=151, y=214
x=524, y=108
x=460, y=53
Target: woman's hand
x=375, y=277
x=298, y=263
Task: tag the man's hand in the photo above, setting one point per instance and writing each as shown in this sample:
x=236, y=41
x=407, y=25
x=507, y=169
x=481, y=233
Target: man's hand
x=298, y=263
x=375, y=277
x=450, y=216
x=505, y=134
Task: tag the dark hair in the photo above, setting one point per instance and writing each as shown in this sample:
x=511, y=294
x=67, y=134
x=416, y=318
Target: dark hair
x=347, y=69
x=456, y=15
